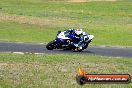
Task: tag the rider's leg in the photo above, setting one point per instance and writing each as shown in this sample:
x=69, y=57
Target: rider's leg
x=80, y=43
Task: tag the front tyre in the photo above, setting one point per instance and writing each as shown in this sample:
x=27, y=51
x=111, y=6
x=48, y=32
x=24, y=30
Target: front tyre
x=85, y=46
x=50, y=45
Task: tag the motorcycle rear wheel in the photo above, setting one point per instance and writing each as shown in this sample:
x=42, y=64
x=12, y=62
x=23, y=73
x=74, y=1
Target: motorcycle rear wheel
x=50, y=45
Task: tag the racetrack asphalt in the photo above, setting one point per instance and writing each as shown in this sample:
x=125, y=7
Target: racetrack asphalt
x=41, y=48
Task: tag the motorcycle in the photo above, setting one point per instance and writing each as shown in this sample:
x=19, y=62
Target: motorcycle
x=62, y=41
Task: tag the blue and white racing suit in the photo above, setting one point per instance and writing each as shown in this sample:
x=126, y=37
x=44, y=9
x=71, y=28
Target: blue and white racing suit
x=77, y=39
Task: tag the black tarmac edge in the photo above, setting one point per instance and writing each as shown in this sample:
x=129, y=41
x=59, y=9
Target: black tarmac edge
x=41, y=48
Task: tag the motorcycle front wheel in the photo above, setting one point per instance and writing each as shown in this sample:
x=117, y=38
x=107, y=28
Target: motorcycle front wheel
x=85, y=46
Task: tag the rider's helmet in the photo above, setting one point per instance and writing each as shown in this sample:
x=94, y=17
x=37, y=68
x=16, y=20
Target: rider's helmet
x=78, y=31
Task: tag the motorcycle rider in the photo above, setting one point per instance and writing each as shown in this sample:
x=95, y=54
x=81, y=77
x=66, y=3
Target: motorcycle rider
x=77, y=36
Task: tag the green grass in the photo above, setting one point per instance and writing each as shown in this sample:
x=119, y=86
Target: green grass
x=39, y=21
x=24, y=32
x=57, y=71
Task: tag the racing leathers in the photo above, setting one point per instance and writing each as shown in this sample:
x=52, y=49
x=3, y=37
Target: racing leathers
x=77, y=39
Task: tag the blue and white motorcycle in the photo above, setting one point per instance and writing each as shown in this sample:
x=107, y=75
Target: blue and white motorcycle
x=63, y=41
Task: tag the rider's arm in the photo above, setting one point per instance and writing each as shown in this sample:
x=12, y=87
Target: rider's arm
x=84, y=33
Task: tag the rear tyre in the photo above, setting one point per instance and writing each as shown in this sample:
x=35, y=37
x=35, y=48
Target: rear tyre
x=50, y=45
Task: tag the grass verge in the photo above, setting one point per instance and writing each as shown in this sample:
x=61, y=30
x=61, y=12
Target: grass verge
x=57, y=71
x=109, y=22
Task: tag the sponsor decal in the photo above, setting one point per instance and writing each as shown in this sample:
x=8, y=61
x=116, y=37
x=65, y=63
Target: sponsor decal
x=83, y=78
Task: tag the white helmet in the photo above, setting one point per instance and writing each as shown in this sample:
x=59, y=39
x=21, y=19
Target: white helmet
x=78, y=31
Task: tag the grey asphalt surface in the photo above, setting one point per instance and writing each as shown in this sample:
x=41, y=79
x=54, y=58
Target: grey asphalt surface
x=40, y=48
